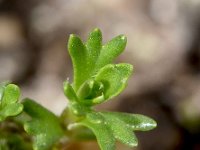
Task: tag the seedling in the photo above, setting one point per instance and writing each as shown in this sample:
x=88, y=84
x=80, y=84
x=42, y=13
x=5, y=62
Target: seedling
x=96, y=80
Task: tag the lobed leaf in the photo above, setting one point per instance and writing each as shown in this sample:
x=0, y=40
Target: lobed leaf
x=97, y=80
x=9, y=95
x=120, y=130
x=114, y=78
x=44, y=125
x=88, y=58
x=104, y=135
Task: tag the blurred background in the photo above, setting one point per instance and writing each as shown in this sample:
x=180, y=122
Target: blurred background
x=163, y=45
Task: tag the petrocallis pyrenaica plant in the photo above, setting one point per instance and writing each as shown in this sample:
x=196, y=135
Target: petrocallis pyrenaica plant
x=96, y=80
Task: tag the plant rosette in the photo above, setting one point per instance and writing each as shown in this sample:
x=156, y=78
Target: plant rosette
x=96, y=79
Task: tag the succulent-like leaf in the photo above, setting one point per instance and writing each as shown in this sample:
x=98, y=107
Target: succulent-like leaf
x=88, y=58
x=78, y=53
x=111, y=50
x=136, y=122
x=103, y=133
x=69, y=92
x=120, y=130
x=44, y=125
x=114, y=78
x=94, y=45
x=85, y=89
x=9, y=95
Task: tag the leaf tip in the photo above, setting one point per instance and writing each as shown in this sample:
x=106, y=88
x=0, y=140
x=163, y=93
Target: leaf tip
x=96, y=30
x=123, y=37
x=154, y=124
x=95, y=36
x=130, y=67
x=72, y=38
x=133, y=143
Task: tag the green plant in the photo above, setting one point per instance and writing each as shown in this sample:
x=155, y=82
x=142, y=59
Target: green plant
x=96, y=80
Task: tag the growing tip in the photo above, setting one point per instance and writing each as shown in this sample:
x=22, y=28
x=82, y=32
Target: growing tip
x=71, y=36
x=123, y=37
x=97, y=30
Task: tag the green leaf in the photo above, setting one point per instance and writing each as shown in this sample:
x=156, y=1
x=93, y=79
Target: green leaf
x=44, y=125
x=114, y=78
x=105, y=138
x=88, y=58
x=78, y=55
x=120, y=130
x=11, y=110
x=111, y=50
x=94, y=45
x=136, y=122
x=9, y=95
x=69, y=92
